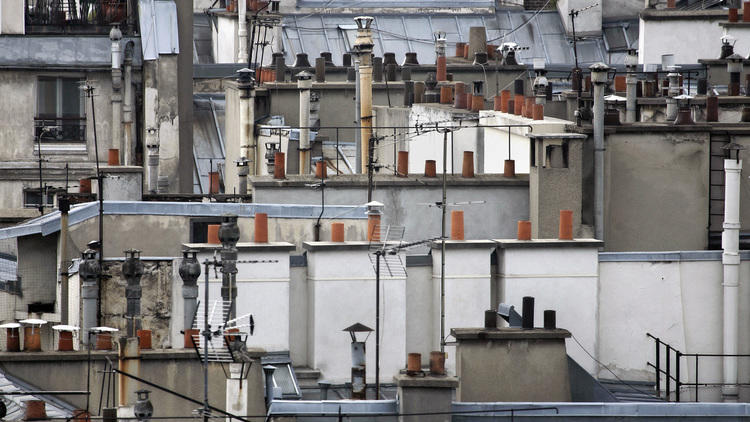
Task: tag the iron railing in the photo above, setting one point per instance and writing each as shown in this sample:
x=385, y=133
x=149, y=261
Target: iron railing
x=675, y=376
x=63, y=129
x=42, y=14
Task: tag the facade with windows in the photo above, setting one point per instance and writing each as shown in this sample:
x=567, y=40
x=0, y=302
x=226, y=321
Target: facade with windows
x=49, y=124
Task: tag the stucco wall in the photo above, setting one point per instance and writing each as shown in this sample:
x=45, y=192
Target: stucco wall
x=406, y=202
x=676, y=299
x=656, y=191
x=342, y=293
x=688, y=39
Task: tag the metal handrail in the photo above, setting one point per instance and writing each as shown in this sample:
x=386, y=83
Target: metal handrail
x=678, y=363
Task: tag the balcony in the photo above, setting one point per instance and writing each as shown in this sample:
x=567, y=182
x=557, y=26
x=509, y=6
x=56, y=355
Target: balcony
x=64, y=129
x=78, y=16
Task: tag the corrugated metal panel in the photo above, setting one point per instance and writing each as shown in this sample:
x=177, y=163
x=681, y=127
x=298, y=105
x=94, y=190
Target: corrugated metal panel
x=158, y=22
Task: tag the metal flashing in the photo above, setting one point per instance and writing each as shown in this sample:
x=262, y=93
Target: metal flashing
x=670, y=256
x=158, y=24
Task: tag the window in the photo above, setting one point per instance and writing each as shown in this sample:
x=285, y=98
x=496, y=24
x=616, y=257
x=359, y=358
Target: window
x=31, y=198
x=60, y=112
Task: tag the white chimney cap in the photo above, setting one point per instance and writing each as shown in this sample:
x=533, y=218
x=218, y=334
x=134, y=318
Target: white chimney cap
x=32, y=321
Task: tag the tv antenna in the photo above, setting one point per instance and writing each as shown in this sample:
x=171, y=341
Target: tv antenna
x=577, y=74
x=385, y=248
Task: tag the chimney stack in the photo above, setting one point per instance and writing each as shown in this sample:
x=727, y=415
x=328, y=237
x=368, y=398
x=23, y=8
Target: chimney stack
x=248, y=150
x=304, y=84
x=363, y=47
x=442, y=61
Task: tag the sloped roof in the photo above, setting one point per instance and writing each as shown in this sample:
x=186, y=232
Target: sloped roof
x=56, y=409
x=542, y=32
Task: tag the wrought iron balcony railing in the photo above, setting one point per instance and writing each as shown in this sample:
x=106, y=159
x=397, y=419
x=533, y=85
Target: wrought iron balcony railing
x=66, y=129
x=88, y=16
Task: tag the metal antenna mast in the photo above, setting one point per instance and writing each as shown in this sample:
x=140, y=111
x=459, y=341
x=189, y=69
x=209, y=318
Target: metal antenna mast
x=577, y=75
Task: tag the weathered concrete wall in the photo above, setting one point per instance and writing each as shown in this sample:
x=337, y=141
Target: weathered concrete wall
x=621, y=9
x=39, y=278
x=177, y=370
x=643, y=215
x=137, y=231
x=156, y=309
x=407, y=201
x=419, y=311
x=532, y=365
x=167, y=119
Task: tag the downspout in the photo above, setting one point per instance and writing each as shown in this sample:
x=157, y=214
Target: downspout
x=116, y=128
x=248, y=149
x=363, y=47
x=730, y=259
x=242, y=55
x=304, y=84
x=599, y=78
x=127, y=108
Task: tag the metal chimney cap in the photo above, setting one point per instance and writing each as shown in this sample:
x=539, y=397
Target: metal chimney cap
x=599, y=67
x=726, y=39
x=735, y=58
x=304, y=75
x=363, y=22
x=115, y=34
x=599, y=73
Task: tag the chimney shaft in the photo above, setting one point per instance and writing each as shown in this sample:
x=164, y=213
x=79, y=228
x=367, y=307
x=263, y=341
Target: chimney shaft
x=248, y=150
x=304, y=84
x=363, y=47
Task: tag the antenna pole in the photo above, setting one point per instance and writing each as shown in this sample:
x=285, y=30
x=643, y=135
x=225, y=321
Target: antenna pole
x=42, y=196
x=206, y=335
x=377, y=324
x=100, y=194
x=370, y=166
x=442, y=244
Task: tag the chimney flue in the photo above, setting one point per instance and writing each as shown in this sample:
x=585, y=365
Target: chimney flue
x=527, y=313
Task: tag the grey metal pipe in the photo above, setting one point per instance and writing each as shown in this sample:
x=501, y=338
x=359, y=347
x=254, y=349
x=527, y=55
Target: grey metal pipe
x=630, y=94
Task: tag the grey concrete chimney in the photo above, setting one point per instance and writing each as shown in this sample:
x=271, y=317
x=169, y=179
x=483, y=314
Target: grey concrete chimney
x=132, y=270
x=599, y=79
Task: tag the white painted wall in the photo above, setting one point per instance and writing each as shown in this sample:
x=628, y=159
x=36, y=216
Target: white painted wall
x=468, y=288
x=11, y=17
x=341, y=293
x=564, y=279
x=496, y=139
x=677, y=300
x=588, y=22
x=689, y=40
x=429, y=145
x=262, y=290
x=225, y=39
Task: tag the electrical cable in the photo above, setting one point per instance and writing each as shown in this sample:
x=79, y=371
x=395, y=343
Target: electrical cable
x=606, y=367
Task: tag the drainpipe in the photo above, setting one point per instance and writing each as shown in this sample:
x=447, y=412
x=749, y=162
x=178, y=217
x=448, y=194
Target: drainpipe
x=115, y=36
x=363, y=47
x=248, y=150
x=64, y=206
x=674, y=90
x=631, y=62
x=730, y=260
x=152, y=145
x=304, y=84
x=599, y=79
x=242, y=32
x=357, y=114
x=127, y=107
x=129, y=361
